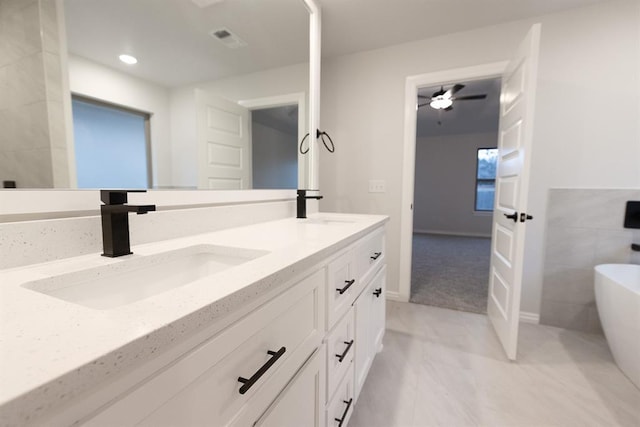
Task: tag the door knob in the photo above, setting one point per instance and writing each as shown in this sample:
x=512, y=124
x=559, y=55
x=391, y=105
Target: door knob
x=513, y=216
x=524, y=217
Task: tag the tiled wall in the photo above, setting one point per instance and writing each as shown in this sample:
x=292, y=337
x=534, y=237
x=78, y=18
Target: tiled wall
x=31, y=111
x=584, y=229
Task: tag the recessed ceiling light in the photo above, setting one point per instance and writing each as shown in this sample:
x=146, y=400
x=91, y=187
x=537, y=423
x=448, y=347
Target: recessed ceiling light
x=128, y=59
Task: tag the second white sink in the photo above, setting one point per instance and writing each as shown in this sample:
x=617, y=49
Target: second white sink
x=139, y=278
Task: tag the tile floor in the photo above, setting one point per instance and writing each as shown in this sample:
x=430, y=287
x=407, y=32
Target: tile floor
x=442, y=367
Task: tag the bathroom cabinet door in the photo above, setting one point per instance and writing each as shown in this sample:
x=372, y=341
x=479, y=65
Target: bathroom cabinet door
x=370, y=326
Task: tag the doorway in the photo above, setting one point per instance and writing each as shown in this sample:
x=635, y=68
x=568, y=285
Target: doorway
x=455, y=169
x=274, y=147
x=278, y=120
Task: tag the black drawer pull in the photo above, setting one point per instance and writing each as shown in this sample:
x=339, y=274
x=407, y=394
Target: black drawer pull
x=347, y=286
x=346, y=350
x=346, y=410
x=376, y=255
x=377, y=292
x=248, y=383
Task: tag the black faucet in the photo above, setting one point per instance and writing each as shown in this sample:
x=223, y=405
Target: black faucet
x=115, y=221
x=302, y=203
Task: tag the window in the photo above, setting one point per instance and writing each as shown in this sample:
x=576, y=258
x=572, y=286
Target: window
x=486, y=178
x=111, y=145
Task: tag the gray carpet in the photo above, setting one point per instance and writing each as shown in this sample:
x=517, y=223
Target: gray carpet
x=451, y=271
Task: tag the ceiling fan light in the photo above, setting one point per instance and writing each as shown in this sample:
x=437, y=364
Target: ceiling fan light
x=440, y=102
x=128, y=59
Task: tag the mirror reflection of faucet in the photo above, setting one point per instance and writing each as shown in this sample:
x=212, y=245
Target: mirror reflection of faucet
x=115, y=221
x=301, y=202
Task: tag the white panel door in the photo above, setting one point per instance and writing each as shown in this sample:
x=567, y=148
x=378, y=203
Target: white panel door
x=224, y=151
x=512, y=182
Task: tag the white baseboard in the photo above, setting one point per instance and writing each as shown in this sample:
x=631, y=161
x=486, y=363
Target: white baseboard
x=395, y=296
x=526, y=317
x=452, y=233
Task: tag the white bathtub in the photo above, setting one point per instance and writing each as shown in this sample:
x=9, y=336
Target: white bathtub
x=617, y=288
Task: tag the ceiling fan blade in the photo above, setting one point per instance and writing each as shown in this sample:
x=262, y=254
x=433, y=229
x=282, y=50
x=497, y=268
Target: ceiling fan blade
x=424, y=97
x=456, y=87
x=449, y=108
x=422, y=105
x=469, y=97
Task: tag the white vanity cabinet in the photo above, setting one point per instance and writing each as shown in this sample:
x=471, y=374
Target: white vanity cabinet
x=356, y=322
x=299, y=359
x=266, y=348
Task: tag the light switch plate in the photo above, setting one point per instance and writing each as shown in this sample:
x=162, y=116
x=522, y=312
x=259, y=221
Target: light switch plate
x=377, y=186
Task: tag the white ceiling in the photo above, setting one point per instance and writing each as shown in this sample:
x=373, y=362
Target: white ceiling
x=172, y=42
x=470, y=116
x=171, y=38
x=355, y=25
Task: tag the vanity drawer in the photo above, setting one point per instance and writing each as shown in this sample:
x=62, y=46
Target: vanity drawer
x=203, y=387
x=299, y=403
x=342, y=286
x=340, y=408
x=340, y=350
x=370, y=255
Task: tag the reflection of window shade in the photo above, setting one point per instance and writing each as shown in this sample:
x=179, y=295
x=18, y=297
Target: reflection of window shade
x=110, y=146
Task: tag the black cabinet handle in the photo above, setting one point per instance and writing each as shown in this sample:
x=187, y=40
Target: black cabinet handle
x=248, y=383
x=635, y=247
x=513, y=216
x=377, y=292
x=344, y=414
x=376, y=255
x=347, y=286
x=346, y=350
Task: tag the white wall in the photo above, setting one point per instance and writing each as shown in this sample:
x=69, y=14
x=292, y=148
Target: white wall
x=445, y=182
x=96, y=81
x=279, y=81
x=584, y=52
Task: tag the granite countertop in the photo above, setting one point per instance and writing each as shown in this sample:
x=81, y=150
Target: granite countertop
x=52, y=351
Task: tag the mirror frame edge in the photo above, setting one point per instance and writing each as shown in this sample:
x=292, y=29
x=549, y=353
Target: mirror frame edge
x=315, y=44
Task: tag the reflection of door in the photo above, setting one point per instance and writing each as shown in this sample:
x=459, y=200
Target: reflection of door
x=224, y=157
x=514, y=145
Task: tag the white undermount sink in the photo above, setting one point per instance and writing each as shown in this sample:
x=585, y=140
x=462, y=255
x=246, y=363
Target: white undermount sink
x=135, y=279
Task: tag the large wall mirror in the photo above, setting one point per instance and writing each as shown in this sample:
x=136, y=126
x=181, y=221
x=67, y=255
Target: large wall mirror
x=219, y=97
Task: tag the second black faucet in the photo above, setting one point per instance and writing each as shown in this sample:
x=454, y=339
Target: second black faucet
x=301, y=202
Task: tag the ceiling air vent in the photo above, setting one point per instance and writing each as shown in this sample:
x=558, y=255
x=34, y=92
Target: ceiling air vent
x=227, y=38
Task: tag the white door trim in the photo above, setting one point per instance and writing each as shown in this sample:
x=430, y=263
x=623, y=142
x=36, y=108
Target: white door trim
x=298, y=98
x=412, y=84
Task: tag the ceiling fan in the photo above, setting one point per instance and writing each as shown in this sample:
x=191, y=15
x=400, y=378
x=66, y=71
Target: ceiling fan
x=443, y=100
